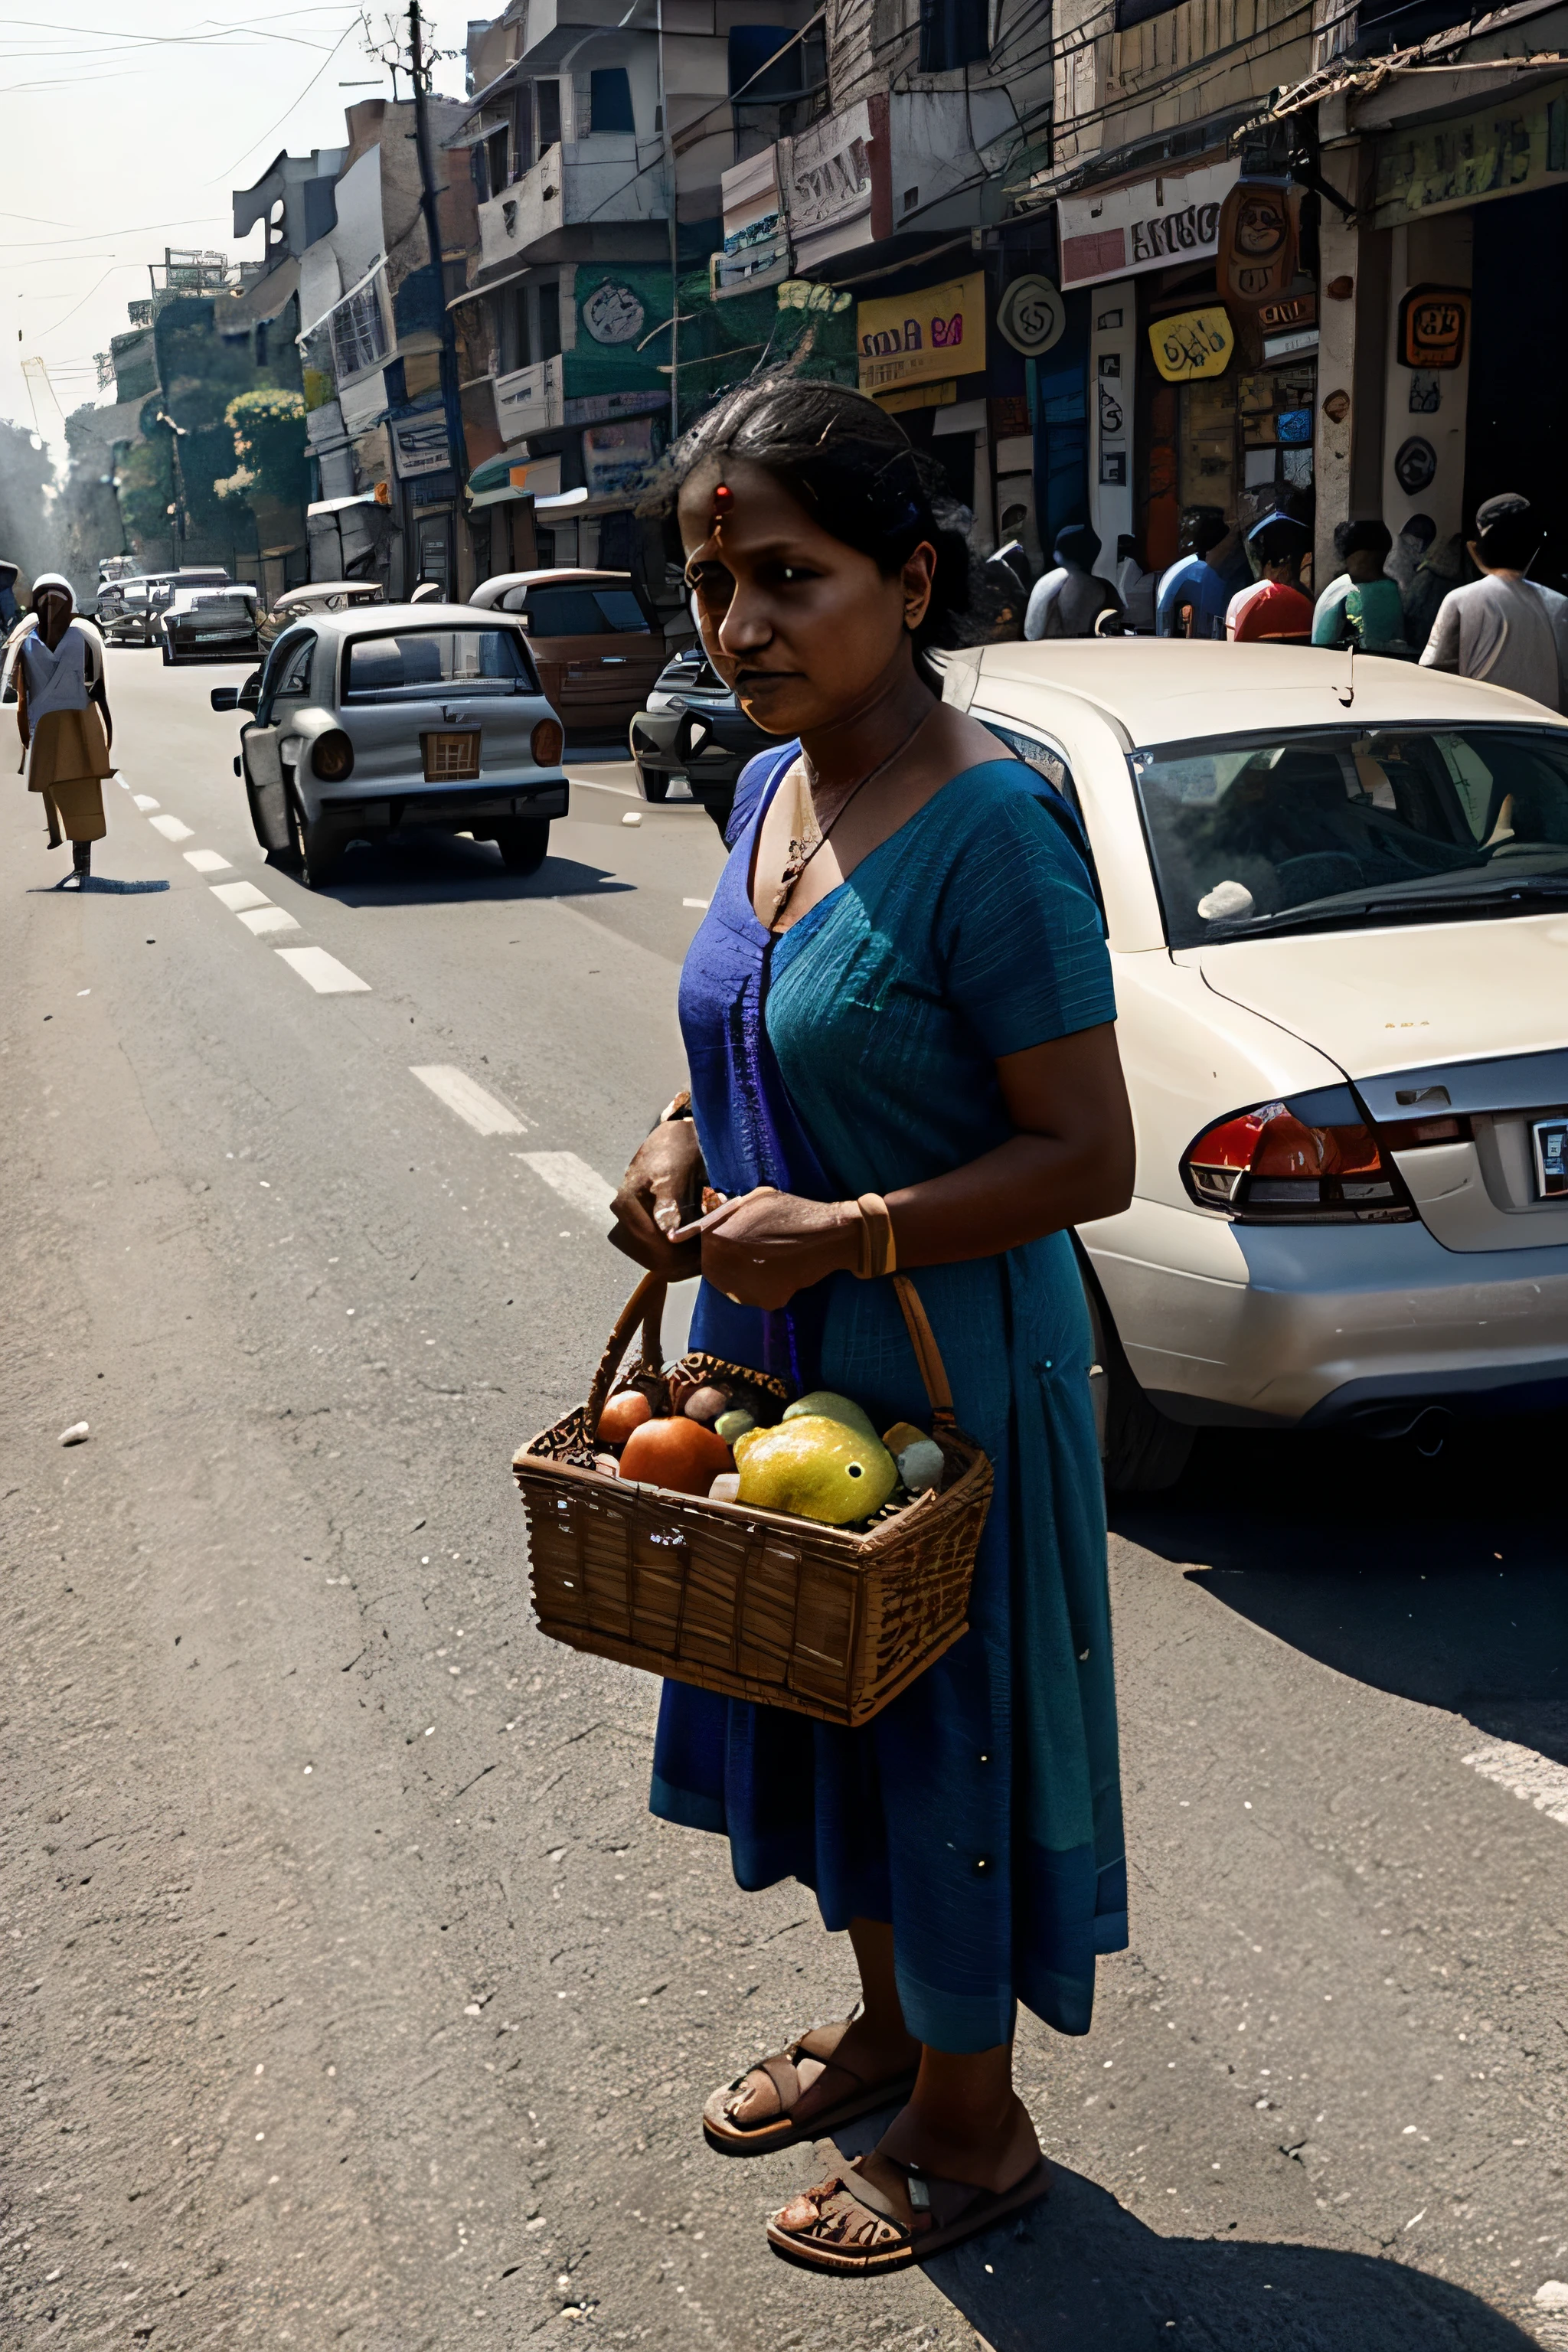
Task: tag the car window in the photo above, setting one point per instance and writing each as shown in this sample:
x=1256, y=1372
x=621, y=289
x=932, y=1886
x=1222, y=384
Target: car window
x=1038, y=751
x=414, y=664
x=1318, y=825
x=581, y=612
x=290, y=648
x=294, y=677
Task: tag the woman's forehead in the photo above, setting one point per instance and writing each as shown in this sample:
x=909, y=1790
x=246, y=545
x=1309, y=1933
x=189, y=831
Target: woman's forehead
x=759, y=505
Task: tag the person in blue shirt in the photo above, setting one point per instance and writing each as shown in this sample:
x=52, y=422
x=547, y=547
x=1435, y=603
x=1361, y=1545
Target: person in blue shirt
x=1192, y=596
x=10, y=611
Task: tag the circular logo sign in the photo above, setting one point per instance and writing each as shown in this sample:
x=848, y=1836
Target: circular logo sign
x=612, y=314
x=1414, y=463
x=1031, y=316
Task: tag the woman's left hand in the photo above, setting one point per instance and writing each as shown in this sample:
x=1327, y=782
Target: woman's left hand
x=775, y=1244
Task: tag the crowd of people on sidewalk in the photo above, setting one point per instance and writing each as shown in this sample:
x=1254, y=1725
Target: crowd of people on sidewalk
x=1468, y=606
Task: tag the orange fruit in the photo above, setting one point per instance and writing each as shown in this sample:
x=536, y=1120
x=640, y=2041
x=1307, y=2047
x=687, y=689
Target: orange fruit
x=622, y=1414
x=679, y=1453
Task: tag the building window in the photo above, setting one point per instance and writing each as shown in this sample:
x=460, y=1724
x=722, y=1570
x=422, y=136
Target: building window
x=549, y=320
x=1138, y=12
x=752, y=78
x=610, y=100
x=956, y=33
x=547, y=97
x=359, y=331
x=519, y=348
x=497, y=159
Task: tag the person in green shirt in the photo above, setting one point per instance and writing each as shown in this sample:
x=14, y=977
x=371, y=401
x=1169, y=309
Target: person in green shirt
x=1362, y=609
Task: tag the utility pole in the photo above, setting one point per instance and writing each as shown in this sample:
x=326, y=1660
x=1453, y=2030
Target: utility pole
x=451, y=397
x=674, y=238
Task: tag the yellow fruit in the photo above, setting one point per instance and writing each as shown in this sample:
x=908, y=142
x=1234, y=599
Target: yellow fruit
x=748, y=1437
x=818, y=1468
x=825, y=1404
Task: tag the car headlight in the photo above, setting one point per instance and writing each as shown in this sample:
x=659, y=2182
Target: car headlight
x=332, y=756
x=546, y=743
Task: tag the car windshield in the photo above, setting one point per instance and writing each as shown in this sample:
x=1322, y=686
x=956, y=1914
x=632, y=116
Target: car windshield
x=1329, y=828
x=414, y=664
x=581, y=612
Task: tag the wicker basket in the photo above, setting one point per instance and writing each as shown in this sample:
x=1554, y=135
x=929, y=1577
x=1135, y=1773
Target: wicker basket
x=754, y=1604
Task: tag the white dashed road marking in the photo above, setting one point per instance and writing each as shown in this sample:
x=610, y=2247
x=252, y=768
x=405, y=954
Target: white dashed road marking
x=326, y=975
x=236, y=895
x=578, y=1184
x=274, y=918
x=459, y=1093
x=171, y=828
x=701, y=904
x=207, y=861
x=1531, y=1775
x=145, y=802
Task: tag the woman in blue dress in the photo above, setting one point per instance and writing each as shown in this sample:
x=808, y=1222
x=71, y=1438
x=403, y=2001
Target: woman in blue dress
x=899, y=1020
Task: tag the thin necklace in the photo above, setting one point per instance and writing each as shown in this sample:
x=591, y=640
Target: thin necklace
x=801, y=852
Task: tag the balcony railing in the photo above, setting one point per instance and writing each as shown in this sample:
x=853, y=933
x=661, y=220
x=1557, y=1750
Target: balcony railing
x=604, y=179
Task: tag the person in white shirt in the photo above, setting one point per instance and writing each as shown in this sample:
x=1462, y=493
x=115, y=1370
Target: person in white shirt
x=1504, y=628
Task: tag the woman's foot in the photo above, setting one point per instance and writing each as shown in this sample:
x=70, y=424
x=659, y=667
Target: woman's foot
x=880, y=2215
x=827, y=2078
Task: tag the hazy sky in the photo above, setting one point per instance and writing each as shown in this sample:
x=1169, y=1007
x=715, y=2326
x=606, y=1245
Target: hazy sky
x=123, y=129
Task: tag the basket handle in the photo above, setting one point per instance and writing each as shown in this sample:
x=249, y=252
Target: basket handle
x=928, y=1355
x=646, y=1306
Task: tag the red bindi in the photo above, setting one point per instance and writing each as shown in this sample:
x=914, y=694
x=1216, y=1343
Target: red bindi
x=723, y=498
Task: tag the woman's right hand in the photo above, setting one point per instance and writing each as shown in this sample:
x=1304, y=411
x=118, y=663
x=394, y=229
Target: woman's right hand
x=667, y=1173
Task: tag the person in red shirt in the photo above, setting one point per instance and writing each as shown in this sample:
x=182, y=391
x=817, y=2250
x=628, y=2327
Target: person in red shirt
x=1273, y=610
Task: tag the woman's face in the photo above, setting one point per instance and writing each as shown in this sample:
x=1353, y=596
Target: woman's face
x=807, y=630
x=54, y=616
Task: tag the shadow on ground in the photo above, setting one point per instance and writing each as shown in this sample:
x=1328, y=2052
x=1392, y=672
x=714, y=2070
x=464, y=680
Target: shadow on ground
x=1440, y=1580
x=96, y=885
x=428, y=869
x=1080, y=2274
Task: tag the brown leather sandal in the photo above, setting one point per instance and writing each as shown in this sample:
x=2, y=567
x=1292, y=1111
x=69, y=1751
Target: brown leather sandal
x=848, y=2225
x=725, y=2129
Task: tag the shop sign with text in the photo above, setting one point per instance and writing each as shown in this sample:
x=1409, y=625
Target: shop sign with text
x=919, y=338
x=1123, y=231
x=1498, y=151
x=1194, y=343
x=419, y=444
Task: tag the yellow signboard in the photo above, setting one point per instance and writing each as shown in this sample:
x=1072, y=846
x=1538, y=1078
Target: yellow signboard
x=919, y=338
x=1194, y=343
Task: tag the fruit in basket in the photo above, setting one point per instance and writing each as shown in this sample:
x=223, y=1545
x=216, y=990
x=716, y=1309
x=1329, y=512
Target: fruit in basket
x=623, y=1413
x=726, y=1488
x=817, y=1468
x=921, y=1464
x=903, y=1433
x=734, y=1424
x=679, y=1453
x=825, y=1404
x=705, y=1403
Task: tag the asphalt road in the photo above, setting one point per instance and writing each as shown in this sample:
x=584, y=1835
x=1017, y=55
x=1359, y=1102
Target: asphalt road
x=352, y=1997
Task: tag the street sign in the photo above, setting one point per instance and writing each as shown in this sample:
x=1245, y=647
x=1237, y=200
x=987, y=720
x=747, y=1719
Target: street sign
x=1031, y=316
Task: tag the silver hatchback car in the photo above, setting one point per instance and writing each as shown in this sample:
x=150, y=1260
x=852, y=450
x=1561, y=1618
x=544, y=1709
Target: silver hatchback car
x=370, y=720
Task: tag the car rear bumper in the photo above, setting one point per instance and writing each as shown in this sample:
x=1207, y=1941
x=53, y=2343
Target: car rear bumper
x=463, y=807
x=656, y=746
x=1358, y=1325
x=235, y=649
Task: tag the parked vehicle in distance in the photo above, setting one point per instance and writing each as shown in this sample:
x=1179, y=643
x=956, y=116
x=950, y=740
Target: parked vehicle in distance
x=147, y=595
x=1335, y=892
x=596, y=640
x=209, y=624
x=320, y=596
x=693, y=727
x=367, y=722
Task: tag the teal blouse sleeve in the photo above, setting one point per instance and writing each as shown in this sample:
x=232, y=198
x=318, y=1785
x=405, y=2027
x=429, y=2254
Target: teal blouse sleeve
x=1019, y=933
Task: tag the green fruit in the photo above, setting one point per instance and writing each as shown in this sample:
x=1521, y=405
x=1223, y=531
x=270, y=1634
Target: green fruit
x=817, y=1468
x=823, y=1405
x=734, y=1424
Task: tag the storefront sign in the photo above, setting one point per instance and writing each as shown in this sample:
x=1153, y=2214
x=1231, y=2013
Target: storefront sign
x=1031, y=316
x=1415, y=464
x=617, y=456
x=419, y=444
x=1290, y=311
x=1497, y=151
x=1434, y=327
x=918, y=338
x=755, y=251
x=529, y=399
x=612, y=314
x=1256, y=242
x=1123, y=231
x=828, y=176
x=1194, y=343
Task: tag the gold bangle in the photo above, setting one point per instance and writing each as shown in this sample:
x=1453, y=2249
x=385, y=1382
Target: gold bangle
x=879, y=1252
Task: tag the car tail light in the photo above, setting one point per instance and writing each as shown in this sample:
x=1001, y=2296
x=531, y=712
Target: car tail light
x=332, y=756
x=1269, y=1166
x=547, y=742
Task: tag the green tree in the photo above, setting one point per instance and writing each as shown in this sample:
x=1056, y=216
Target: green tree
x=270, y=443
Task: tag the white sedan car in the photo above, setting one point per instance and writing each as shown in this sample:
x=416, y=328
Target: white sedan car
x=1336, y=898
x=383, y=716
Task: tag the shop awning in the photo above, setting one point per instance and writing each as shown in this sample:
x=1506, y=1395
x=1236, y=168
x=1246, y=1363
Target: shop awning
x=336, y=506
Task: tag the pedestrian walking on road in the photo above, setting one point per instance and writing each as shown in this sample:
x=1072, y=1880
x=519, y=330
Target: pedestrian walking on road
x=1273, y=610
x=1361, y=609
x=1070, y=598
x=58, y=665
x=1504, y=628
x=900, y=990
x=1192, y=596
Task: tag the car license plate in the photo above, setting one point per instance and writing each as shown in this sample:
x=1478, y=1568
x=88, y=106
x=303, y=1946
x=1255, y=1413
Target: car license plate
x=451, y=758
x=1551, y=1136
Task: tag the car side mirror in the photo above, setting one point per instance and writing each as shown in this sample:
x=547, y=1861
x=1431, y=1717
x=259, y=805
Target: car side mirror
x=225, y=697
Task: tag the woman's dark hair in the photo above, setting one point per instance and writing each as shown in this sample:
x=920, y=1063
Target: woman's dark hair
x=849, y=464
